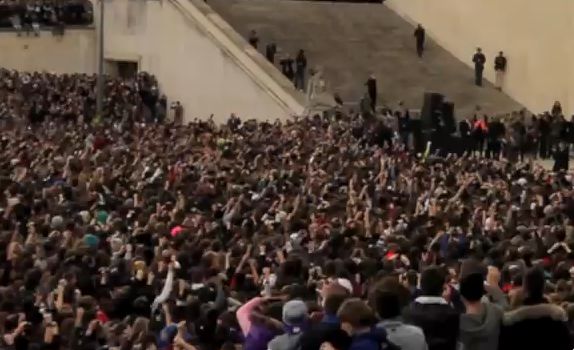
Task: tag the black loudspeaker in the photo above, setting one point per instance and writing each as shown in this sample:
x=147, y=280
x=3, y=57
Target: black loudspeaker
x=448, y=120
x=457, y=145
x=419, y=141
x=432, y=109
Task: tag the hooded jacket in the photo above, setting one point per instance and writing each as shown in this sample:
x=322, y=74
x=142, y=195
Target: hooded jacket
x=290, y=340
x=328, y=330
x=405, y=336
x=374, y=339
x=286, y=342
x=539, y=326
x=258, y=337
x=481, y=332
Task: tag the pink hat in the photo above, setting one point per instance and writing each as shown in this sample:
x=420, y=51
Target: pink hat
x=176, y=231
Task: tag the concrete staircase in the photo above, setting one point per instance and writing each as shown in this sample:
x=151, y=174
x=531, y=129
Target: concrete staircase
x=350, y=41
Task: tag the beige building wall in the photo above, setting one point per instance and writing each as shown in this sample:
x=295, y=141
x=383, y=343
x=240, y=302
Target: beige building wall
x=193, y=61
x=75, y=52
x=196, y=62
x=536, y=37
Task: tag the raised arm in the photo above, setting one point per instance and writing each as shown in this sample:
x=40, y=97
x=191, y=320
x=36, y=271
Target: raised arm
x=244, y=314
x=167, y=288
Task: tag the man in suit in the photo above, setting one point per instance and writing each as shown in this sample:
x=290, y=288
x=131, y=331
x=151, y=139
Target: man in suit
x=479, y=60
x=420, y=39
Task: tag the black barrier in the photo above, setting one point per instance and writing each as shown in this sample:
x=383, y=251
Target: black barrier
x=446, y=143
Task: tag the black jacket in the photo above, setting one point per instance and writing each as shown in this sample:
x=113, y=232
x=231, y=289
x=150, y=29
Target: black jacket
x=329, y=330
x=464, y=128
x=561, y=160
x=541, y=326
x=569, y=131
x=287, y=67
x=500, y=63
x=496, y=130
x=479, y=59
x=543, y=126
x=420, y=35
x=301, y=63
x=372, y=87
x=404, y=123
x=438, y=320
x=270, y=51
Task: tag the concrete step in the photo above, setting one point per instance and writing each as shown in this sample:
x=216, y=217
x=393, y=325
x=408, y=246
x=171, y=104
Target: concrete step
x=350, y=41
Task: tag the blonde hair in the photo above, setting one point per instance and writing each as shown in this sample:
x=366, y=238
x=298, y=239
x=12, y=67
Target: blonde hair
x=140, y=329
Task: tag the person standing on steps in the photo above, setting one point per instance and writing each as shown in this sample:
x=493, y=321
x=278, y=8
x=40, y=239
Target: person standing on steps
x=366, y=106
x=372, y=91
x=300, y=68
x=287, y=67
x=270, y=51
x=420, y=39
x=338, y=99
x=253, y=38
x=479, y=60
x=177, y=113
x=500, y=70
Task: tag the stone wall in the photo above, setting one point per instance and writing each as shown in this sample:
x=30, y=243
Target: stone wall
x=536, y=37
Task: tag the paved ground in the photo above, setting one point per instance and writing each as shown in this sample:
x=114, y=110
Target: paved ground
x=548, y=164
x=351, y=40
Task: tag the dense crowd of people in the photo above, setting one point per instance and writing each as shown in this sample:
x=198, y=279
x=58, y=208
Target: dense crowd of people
x=545, y=136
x=30, y=16
x=514, y=136
x=37, y=97
x=129, y=232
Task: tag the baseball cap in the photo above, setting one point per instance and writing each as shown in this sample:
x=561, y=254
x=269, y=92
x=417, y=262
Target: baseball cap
x=295, y=312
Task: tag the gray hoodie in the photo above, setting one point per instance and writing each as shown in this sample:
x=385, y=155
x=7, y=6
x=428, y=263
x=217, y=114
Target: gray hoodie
x=285, y=342
x=481, y=332
x=405, y=336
